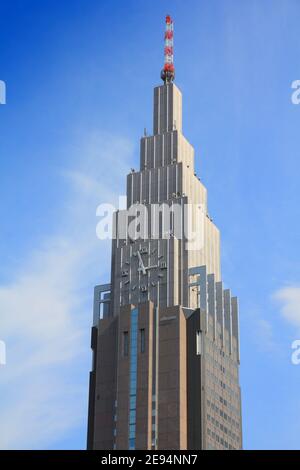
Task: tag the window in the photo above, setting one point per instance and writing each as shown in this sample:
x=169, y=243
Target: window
x=132, y=402
x=132, y=416
x=132, y=382
x=133, y=375
x=131, y=431
x=142, y=336
x=131, y=444
x=125, y=343
x=198, y=343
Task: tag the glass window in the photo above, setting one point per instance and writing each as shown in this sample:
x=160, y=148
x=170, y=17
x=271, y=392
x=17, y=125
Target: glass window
x=131, y=444
x=133, y=382
x=132, y=416
x=132, y=402
x=131, y=431
x=198, y=343
x=133, y=376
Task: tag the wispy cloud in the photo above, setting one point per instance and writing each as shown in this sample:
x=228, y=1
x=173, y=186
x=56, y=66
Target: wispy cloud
x=289, y=299
x=46, y=308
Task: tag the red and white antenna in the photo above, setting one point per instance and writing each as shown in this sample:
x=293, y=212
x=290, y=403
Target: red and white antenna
x=168, y=72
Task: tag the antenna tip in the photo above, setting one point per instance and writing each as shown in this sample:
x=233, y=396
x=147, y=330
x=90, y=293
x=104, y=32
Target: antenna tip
x=168, y=72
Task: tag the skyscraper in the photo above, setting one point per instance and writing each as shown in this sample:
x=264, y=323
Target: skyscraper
x=165, y=335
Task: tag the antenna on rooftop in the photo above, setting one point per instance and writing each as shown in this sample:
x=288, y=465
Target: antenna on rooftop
x=168, y=72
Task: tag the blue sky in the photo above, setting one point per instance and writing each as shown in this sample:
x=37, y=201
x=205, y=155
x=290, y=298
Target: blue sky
x=80, y=78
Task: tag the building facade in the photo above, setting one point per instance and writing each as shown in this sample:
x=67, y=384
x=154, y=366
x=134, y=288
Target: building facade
x=165, y=335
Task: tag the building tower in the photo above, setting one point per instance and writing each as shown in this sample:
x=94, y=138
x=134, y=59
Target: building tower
x=165, y=335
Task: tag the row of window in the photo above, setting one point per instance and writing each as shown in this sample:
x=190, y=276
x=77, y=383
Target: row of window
x=224, y=415
x=218, y=366
x=222, y=428
x=219, y=439
x=132, y=375
x=214, y=367
x=211, y=349
x=223, y=385
x=153, y=434
x=233, y=407
x=133, y=341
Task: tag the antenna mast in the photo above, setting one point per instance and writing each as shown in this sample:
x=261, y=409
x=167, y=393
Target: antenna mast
x=168, y=72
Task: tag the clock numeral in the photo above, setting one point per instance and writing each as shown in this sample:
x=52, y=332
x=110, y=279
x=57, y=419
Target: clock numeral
x=143, y=289
x=153, y=284
x=163, y=265
x=124, y=273
x=133, y=288
x=126, y=282
x=144, y=250
x=160, y=256
x=160, y=275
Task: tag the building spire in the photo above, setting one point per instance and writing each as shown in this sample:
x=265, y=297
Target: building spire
x=168, y=72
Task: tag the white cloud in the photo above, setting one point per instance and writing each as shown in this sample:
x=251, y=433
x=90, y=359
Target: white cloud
x=289, y=299
x=46, y=310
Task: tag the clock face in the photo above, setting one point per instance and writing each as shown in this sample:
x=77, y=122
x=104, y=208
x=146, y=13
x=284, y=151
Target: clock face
x=143, y=269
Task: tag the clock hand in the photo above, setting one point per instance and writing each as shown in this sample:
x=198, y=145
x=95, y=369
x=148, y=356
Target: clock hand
x=142, y=267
